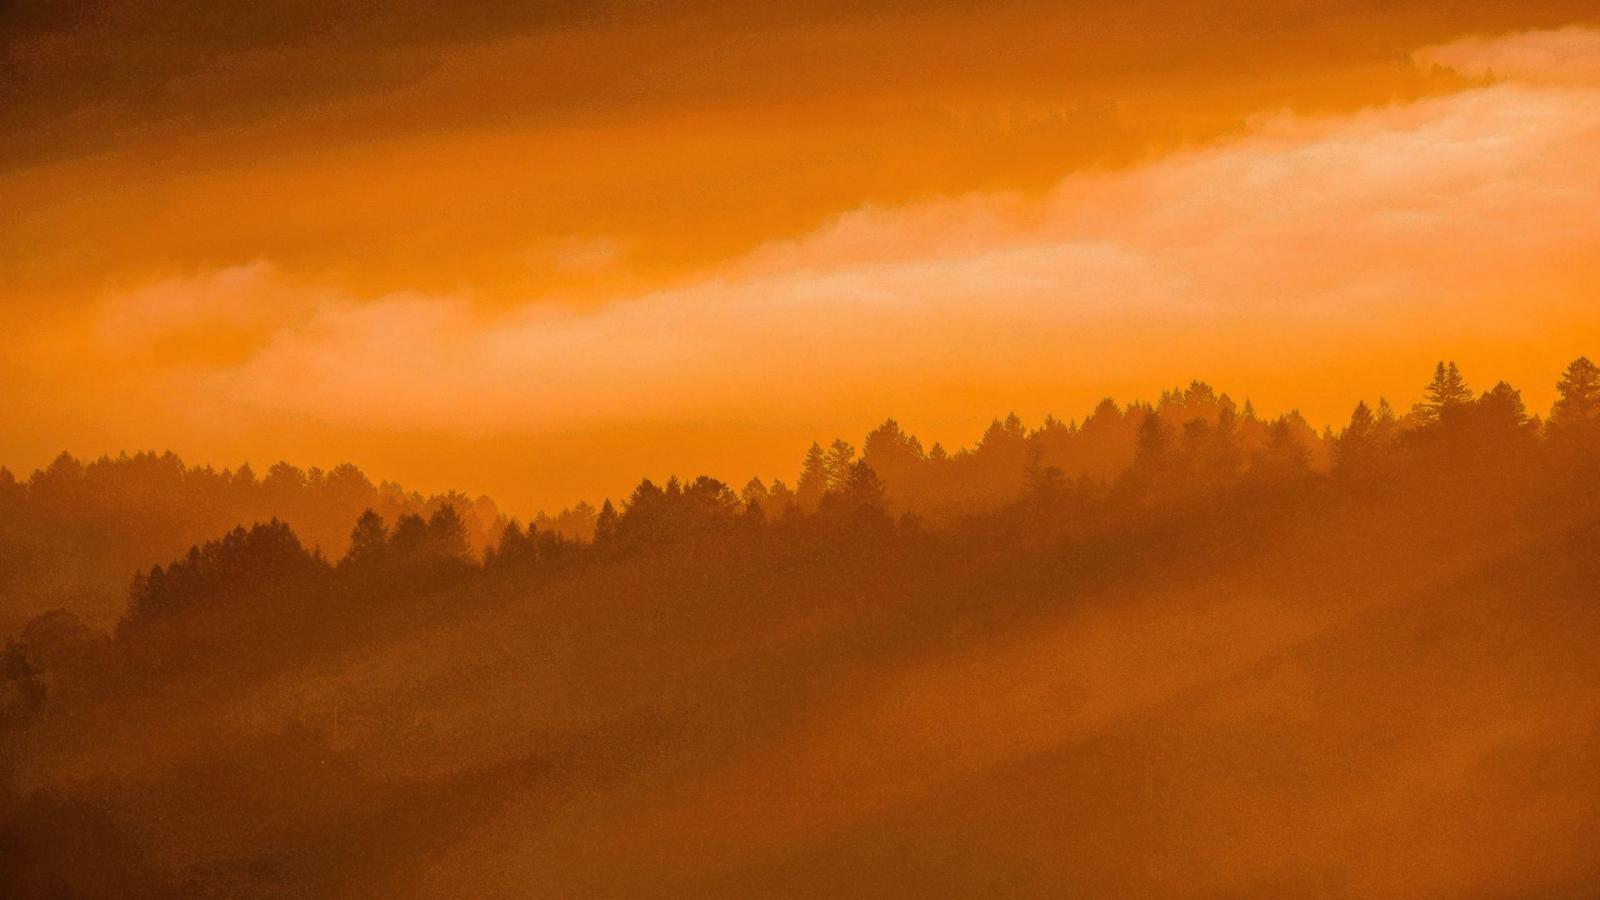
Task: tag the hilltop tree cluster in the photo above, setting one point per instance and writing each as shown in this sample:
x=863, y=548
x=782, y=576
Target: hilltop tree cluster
x=72, y=532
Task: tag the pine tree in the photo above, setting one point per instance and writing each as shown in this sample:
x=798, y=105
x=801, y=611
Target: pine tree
x=447, y=533
x=1446, y=393
x=1155, y=442
x=1283, y=458
x=410, y=538
x=368, y=540
x=1501, y=407
x=1386, y=428
x=605, y=524
x=861, y=492
x=889, y=449
x=779, y=498
x=813, y=482
x=837, y=464
x=754, y=492
x=1353, y=449
x=1224, y=456
x=10, y=491
x=862, y=487
x=517, y=549
x=1579, y=400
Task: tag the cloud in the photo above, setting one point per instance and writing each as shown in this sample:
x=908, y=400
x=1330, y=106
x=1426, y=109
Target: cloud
x=252, y=298
x=1564, y=56
x=1303, y=249
x=1464, y=218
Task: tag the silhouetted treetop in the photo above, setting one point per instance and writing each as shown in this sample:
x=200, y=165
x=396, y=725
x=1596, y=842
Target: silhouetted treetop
x=1446, y=392
x=1577, y=403
x=241, y=563
x=368, y=539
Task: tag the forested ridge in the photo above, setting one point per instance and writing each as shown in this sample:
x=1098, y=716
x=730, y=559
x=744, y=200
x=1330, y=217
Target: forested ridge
x=1085, y=657
x=72, y=533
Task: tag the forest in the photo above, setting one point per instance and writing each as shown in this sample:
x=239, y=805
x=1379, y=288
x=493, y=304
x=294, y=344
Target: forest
x=1173, y=649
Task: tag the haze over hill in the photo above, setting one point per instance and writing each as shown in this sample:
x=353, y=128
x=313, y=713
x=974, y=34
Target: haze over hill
x=147, y=506
x=1206, y=669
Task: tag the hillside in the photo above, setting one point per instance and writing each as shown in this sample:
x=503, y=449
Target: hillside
x=1374, y=681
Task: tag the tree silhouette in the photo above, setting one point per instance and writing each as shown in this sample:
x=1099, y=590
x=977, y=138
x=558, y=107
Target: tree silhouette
x=1284, y=458
x=243, y=562
x=707, y=501
x=369, y=539
x=860, y=498
x=1501, y=409
x=754, y=492
x=411, y=540
x=813, y=481
x=1356, y=447
x=889, y=447
x=1446, y=393
x=605, y=528
x=517, y=551
x=836, y=465
x=780, y=498
x=11, y=493
x=1577, y=406
x=1154, y=452
x=1211, y=452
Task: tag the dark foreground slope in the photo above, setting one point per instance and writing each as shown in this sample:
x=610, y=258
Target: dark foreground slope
x=1281, y=689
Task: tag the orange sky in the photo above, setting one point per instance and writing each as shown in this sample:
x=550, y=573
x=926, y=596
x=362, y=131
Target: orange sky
x=543, y=250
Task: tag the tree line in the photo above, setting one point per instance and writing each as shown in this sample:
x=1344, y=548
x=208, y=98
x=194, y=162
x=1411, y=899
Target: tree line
x=1192, y=447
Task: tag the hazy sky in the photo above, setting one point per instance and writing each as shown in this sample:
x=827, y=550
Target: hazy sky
x=540, y=250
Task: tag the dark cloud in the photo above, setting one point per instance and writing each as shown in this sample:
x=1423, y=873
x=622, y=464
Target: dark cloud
x=76, y=77
x=80, y=77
